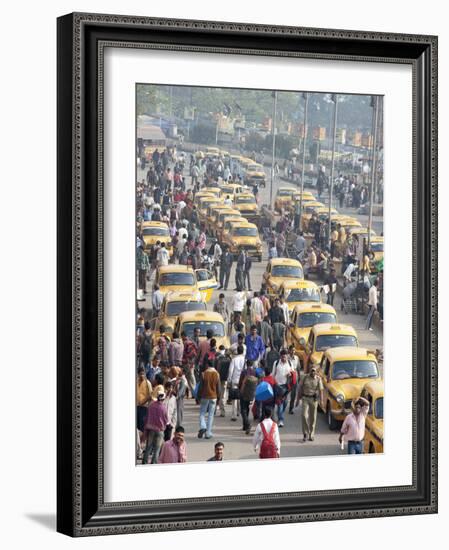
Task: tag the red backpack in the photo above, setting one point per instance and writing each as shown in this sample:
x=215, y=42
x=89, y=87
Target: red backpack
x=268, y=447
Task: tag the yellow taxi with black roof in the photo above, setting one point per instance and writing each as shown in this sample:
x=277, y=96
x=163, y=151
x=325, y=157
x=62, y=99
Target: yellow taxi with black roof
x=324, y=336
x=374, y=422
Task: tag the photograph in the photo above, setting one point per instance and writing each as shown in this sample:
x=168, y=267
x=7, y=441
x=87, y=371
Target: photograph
x=259, y=274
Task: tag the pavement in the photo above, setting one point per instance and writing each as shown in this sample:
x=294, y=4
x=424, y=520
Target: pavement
x=238, y=445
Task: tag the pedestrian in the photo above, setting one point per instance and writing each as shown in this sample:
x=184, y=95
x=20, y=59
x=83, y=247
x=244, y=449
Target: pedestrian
x=300, y=243
x=331, y=283
x=266, y=437
x=235, y=370
x=208, y=392
x=255, y=347
x=278, y=335
x=180, y=390
x=225, y=269
x=239, y=270
x=218, y=452
x=155, y=423
x=296, y=371
x=247, y=273
x=144, y=390
x=266, y=332
x=189, y=356
x=222, y=307
x=257, y=310
x=282, y=373
x=353, y=428
x=163, y=256
x=145, y=345
x=143, y=265
x=170, y=404
x=175, y=350
x=373, y=297
x=204, y=348
x=277, y=313
x=247, y=389
x=162, y=343
x=238, y=302
x=174, y=451
x=156, y=300
x=311, y=393
x=222, y=364
x=272, y=252
x=246, y=316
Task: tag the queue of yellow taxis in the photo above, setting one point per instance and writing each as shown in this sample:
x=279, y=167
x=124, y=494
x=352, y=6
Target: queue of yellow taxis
x=204, y=320
x=324, y=336
x=176, y=277
x=246, y=204
x=254, y=174
x=215, y=191
x=280, y=269
x=302, y=319
x=244, y=235
x=212, y=214
x=232, y=189
x=283, y=197
x=297, y=291
x=228, y=223
x=374, y=422
x=204, y=204
x=344, y=372
x=156, y=231
x=223, y=216
x=174, y=303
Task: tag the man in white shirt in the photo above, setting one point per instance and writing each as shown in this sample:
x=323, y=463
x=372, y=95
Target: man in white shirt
x=162, y=255
x=347, y=275
x=183, y=233
x=283, y=305
x=239, y=301
x=282, y=371
x=235, y=370
x=228, y=200
x=372, y=302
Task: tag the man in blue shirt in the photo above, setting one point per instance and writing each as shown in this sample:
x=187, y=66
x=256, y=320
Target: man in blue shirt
x=255, y=347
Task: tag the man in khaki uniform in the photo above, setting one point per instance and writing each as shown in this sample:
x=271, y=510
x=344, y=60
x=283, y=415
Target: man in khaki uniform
x=310, y=390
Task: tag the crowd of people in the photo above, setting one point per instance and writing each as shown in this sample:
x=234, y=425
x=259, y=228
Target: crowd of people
x=255, y=379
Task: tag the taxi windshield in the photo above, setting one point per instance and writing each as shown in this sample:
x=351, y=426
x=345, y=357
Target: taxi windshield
x=303, y=295
x=216, y=327
x=175, y=308
x=284, y=193
x=246, y=200
x=289, y=271
x=326, y=341
x=245, y=232
x=159, y=231
x=173, y=279
x=377, y=247
x=379, y=408
x=310, y=319
x=357, y=368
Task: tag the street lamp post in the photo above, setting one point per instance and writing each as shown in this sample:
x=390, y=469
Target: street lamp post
x=305, y=95
x=273, y=133
x=375, y=105
x=331, y=186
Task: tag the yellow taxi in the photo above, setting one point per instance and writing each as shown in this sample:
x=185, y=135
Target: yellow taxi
x=222, y=217
x=374, y=423
x=306, y=196
x=228, y=222
x=284, y=197
x=232, y=189
x=350, y=224
x=206, y=283
x=199, y=155
x=361, y=232
x=212, y=151
x=376, y=252
x=254, y=173
x=244, y=235
x=302, y=319
x=203, y=193
x=280, y=269
x=175, y=277
x=246, y=204
x=156, y=231
x=173, y=304
x=321, y=212
x=297, y=291
x=204, y=320
x=215, y=191
x=212, y=214
x=324, y=336
x=204, y=204
x=344, y=372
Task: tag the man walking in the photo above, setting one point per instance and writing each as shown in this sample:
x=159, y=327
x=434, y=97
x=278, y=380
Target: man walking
x=208, y=393
x=225, y=269
x=372, y=302
x=222, y=307
x=282, y=371
x=353, y=428
x=143, y=265
x=222, y=364
x=239, y=270
x=235, y=370
x=255, y=348
x=246, y=272
x=156, y=300
x=310, y=391
x=266, y=437
x=155, y=424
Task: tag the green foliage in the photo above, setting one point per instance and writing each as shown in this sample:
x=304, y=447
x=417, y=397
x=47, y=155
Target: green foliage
x=203, y=133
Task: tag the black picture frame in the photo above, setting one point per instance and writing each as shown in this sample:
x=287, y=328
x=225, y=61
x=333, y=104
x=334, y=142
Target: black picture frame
x=81, y=510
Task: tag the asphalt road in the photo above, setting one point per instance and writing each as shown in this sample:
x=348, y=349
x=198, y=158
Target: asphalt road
x=238, y=445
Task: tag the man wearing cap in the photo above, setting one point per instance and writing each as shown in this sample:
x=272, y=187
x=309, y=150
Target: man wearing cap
x=310, y=390
x=174, y=450
x=155, y=424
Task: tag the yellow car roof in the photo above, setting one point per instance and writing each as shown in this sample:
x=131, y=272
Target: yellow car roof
x=231, y=212
x=334, y=328
x=361, y=231
x=246, y=196
x=375, y=388
x=213, y=316
x=235, y=219
x=347, y=353
x=298, y=283
x=154, y=224
x=285, y=261
x=175, y=268
x=244, y=224
x=291, y=189
x=183, y=296
x=377, y=239
x=313, y=307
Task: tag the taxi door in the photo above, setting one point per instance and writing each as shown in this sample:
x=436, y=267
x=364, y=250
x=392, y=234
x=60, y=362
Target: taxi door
x=207, y=283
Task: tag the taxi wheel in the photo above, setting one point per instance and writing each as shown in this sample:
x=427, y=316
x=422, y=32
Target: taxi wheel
x=331, y=422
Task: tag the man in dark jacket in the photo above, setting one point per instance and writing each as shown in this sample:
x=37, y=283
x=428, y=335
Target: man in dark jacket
x=246, y=273
x=222, y=362
x=225, y=269
x=276, y=313
x=239, y=271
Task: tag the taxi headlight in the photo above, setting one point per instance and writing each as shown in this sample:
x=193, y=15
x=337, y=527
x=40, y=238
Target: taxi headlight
x=340, y=399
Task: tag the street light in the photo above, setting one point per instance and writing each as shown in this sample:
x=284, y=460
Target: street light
x=273, y=133
x=375, y=106
x=334, y=98
x=305, y=95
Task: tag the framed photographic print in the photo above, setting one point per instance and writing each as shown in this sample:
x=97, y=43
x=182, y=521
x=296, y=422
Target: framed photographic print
x=246, y=274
